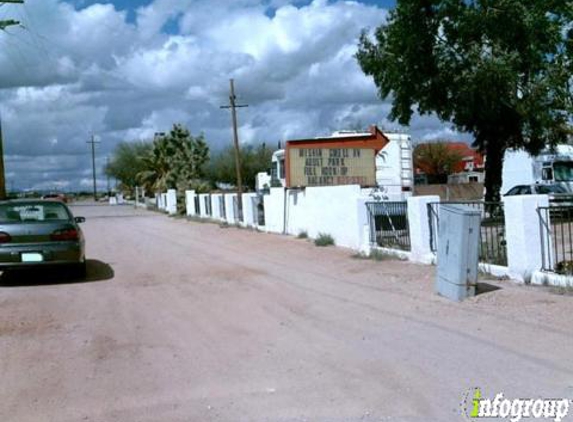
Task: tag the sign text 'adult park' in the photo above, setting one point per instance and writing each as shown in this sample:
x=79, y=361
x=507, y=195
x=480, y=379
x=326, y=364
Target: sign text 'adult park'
x=332, y=166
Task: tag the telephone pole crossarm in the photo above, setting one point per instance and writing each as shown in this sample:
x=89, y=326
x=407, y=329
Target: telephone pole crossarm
x=10, y=22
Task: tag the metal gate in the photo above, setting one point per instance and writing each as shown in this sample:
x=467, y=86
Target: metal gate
x=389, y=226
x=237, y=211
x=492, y=246
x=222, y=208
x=556, y=230
x=197, y=207
x=258, y=205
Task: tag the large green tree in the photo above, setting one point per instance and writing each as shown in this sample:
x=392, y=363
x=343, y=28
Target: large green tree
x=499, y=69
x=436, y=160
x=254, y=159
x=175, y=161
x=127, y=162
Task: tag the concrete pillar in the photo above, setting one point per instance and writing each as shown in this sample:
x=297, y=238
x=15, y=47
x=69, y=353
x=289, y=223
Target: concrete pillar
x=363, y=226
x=248, y=211
x=229, y=199
x=216, y=206
x=171, y=199
x=420, y=228
x=190, y=203
x=523, y=236
x=275, y=210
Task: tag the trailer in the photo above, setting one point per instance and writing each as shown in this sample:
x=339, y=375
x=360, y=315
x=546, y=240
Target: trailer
x=551, y=166
x=377, y=161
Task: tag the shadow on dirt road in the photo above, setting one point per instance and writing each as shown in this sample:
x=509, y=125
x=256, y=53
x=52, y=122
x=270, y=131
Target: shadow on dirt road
x=96, y=271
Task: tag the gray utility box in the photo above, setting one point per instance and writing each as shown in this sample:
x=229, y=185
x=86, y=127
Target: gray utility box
x=458, y=242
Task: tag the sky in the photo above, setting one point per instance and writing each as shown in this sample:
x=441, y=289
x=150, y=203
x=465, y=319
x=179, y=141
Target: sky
x=123, y=70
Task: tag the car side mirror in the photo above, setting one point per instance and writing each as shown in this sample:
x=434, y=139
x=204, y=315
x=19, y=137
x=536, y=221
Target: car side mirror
x=80, y=219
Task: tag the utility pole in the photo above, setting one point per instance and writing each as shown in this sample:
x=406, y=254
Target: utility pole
x=3, y=25
x=2, y=175
x=107, y=174
x=93, y=143
x=233, y=106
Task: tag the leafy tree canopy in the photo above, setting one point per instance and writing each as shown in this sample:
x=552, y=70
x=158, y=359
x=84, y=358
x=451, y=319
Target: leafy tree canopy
x=254, y=159
x=175, y=161
x=436, y=159
x=127, y=162
x=499, y=69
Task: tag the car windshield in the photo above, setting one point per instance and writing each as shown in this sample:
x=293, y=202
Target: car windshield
x=544, y=189
x=32, y=212
x=563, y=171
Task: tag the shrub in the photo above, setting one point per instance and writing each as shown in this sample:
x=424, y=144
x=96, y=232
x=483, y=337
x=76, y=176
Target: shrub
x=324, y=240
x=375, y=255
x=302, y=235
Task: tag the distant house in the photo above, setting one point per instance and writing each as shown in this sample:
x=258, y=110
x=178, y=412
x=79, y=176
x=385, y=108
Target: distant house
x=466, y=177
x=469, y=169
x=471, y=159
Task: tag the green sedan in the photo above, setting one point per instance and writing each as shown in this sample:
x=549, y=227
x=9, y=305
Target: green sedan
x=36, y=233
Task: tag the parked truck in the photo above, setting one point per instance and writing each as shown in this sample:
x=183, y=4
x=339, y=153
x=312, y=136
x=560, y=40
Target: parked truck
x=393, y=166
x=549, y=167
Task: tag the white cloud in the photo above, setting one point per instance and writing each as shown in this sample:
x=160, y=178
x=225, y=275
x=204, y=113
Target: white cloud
x=75, y=71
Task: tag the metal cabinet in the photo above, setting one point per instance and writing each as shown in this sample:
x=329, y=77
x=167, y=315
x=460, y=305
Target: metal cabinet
x=458, y=247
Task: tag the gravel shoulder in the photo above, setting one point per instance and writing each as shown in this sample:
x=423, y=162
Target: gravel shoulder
x=186, y=321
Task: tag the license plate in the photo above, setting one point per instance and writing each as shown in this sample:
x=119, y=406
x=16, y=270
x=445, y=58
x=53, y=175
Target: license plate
x=32, y=257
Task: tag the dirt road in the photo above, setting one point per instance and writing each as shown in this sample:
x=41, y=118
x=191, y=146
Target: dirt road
x=182, y=321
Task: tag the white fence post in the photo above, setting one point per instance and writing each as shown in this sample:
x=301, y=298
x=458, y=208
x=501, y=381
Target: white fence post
x=419, y=224
x=230, y=216
x=363, y=226
x=216, y=206
x=171, y=205
x=248, y=211
x=523, y=235
x=190, y=203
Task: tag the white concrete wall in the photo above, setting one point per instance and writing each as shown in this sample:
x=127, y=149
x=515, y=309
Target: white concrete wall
x=274, y=210
x=523, y=235
x=339, y=211
x=216, y=199
x=248, y=211
x=420, y=228
x=231, y=218
x=171, y=202
x=190, y=196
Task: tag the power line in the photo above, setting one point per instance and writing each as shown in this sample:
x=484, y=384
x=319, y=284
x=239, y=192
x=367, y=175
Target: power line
x=233, y=106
